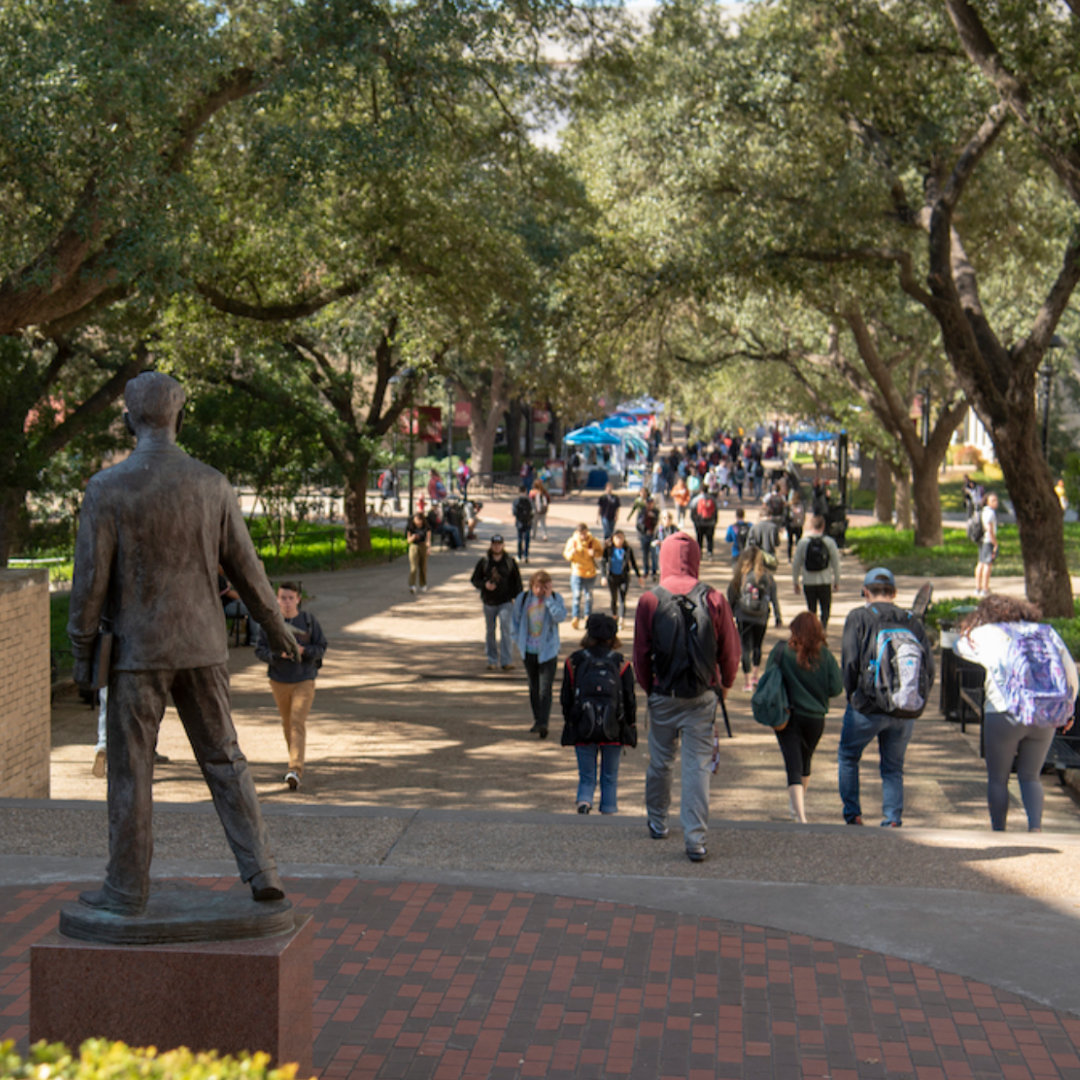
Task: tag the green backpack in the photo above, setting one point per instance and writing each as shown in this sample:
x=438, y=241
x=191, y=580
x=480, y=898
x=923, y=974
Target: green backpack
x=770, y=700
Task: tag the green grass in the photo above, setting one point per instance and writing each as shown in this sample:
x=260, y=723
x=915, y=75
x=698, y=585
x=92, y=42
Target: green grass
x=952, y=489
x=59, y=605
x=882, y=545
x=310, y=547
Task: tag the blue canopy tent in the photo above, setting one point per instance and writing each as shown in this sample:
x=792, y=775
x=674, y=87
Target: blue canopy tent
x=810, y=436
x=595, y=436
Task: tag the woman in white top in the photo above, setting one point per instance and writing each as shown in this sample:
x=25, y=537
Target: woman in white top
x=988, y=639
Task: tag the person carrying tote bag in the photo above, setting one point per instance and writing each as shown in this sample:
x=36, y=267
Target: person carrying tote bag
x=792, y=698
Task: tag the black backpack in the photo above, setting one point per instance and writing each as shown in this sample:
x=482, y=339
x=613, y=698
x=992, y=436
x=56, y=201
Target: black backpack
x=817, y=555
x=523, y=511
x=742, y=532
x=594, y=712
x=683, y=643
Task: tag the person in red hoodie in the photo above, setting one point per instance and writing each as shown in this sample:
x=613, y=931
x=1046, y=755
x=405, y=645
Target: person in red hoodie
x=682, y=674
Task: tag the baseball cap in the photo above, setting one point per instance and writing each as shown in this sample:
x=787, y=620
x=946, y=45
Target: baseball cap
x=601, y=627
x=879, y=576
x=497, y=539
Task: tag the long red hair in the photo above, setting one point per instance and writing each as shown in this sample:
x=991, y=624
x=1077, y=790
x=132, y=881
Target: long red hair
x=807, y=639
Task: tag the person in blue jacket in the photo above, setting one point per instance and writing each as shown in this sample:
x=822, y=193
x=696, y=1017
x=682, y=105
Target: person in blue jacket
x=534, y=628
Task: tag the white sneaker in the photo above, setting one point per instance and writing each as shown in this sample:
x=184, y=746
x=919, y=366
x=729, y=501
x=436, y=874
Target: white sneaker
x=292, y=779
x=412, y=588
x=423, y=588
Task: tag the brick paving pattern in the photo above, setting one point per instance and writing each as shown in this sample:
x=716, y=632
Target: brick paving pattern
x=434, y=982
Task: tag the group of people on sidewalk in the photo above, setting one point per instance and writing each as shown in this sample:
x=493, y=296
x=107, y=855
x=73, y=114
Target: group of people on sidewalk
x=689, y=641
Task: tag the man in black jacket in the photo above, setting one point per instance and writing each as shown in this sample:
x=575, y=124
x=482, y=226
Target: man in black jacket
x=864, y=633
x=499, y=580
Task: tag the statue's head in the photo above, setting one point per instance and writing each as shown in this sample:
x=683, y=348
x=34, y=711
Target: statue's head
x=155, y=402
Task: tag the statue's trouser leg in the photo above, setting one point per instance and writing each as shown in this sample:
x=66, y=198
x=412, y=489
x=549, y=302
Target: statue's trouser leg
x=133, y=717
x=201, y=696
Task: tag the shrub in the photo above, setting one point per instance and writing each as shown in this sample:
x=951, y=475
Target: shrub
x=100, y=1059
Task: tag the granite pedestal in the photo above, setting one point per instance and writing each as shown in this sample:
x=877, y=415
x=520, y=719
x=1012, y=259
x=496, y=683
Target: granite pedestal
x=228, y=996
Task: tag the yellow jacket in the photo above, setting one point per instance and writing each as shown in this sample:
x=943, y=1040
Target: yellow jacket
x=581, y=553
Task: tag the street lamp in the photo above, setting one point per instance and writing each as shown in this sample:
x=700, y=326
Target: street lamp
x=449, y=431
x=924, y=393
x=403, y=376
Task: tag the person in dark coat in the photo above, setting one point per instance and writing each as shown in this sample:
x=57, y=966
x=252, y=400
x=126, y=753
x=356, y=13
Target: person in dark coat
x=600, y=643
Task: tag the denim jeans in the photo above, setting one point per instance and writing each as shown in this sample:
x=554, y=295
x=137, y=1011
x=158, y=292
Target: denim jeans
x=609, y=775
x=650, y=556
x=893, y=735
x=524, y=535
x=608, y=525
x=692, y=719
x=581, y=595
x=498, y=613
x=541, y=683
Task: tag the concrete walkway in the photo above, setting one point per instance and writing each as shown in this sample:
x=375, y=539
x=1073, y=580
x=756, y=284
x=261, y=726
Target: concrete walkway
x=432, y=820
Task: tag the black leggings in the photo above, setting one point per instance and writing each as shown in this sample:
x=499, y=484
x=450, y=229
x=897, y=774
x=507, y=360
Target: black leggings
x=819, y=596
x=794, y=535
x=797, y=743
x=618, y=586
x=541, y=683
x=705, y=535
x=752, y=635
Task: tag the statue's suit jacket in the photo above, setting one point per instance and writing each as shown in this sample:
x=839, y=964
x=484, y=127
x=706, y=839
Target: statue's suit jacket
x=153, y=529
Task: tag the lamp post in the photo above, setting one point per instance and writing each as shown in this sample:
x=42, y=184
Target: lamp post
x=1046, y=378
x=924, y=393
x=449, y=432
x=396, y=380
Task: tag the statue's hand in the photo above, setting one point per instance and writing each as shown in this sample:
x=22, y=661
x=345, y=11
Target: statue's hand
x=81, y=673
x=286, y=643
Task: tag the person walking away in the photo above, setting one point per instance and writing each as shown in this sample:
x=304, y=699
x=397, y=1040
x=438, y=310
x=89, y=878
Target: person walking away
x=658, y=483
x=581, y=552
x=647, y=524
x=988, y=545
x=619, y=564
x=680, y=495
x=738, y=534
x=887, y=665
x=522, y=509
x=418, y=542
x=292, y=681
x=738, y=477
x=541, y=501
x=600, y=712
x=811, y=677
x=703, y=512
x=1030, y=694
x=794, y=520
x=534, y=626
x=765, y=533
x=751, y=592
x=816, y=565
x=498, y=578
x=686, y=655
x=607, y=511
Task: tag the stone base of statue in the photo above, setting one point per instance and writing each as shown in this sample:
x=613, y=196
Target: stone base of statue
x=159, y=979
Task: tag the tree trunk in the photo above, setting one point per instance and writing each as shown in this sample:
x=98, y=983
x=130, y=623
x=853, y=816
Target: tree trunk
x=513, y=434
x=884, y=493
x=357, y=528
x=927, y=501
x=1038, y=513
x=902, y=481
x=12, y=515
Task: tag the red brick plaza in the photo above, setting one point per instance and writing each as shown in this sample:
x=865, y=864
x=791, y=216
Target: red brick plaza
x=419, y=980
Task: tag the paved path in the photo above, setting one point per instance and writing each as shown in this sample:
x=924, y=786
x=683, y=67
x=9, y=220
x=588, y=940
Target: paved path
x=470, y=924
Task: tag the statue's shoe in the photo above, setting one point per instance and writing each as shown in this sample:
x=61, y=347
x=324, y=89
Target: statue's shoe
x=100, y=900
x=266, y=885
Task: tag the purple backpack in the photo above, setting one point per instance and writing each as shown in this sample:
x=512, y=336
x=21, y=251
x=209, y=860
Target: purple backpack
x=1036, y=689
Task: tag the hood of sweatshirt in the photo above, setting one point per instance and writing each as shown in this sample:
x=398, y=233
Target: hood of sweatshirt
x=680, y=559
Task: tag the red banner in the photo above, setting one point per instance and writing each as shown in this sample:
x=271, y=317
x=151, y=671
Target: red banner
x=424, y=422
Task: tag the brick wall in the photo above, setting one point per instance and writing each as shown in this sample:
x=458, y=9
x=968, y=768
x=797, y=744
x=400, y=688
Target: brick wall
x=24, y=684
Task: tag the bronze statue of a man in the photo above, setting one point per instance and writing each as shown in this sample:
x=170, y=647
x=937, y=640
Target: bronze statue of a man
x=152, y=531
